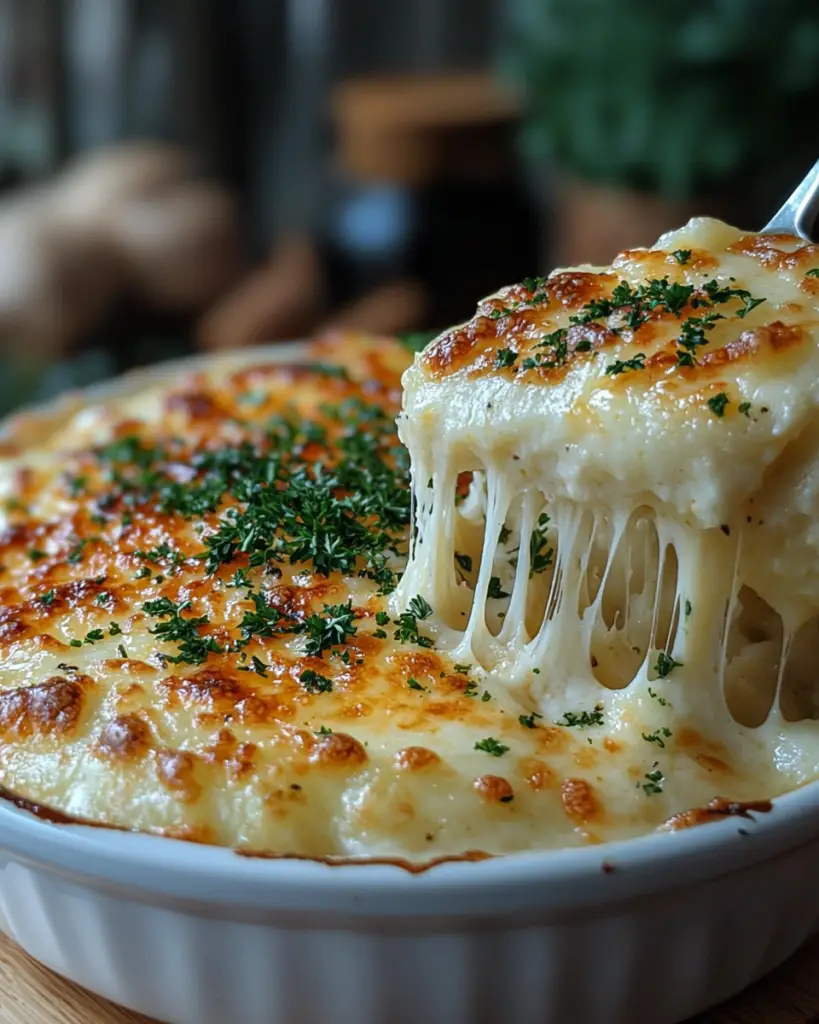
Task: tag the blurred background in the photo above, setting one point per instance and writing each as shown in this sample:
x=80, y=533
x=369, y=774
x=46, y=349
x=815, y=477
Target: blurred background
x=189, y=175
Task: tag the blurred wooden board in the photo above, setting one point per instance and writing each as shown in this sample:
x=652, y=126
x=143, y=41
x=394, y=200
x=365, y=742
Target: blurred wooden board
x=33, y=995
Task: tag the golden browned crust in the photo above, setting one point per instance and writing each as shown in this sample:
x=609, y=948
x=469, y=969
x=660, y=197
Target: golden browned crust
x=52, y=708
x=143, y=687
x=644, y=307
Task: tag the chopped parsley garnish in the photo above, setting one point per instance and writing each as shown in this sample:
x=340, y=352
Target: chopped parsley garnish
x=35, y=555
x=490, y=745
x=47, y=598
x=330, y=629
x=462, y=669
x=665, y=665
x=687, y=607
x=122, y=652
x=624, y=365
x=745, y=408
x=659, y=736
x=407, y=622
x=240, y=579
x=266, y=620
x=413, y=684
x=494, y=590
x=193, y=647
x=94, y=635
x=324, y=731
x=637, y=302
x=557, y=352
x=557, y=343
x=75, y=643
x=583, y=719
x=346, y=511
x=114, y=629
x=382, y=618
x=654, y=782
x=660, y=700
x=505, y=357
x=717, y=404
x=682, y=256
x=692, y=337
x=501, y=311
x=314, y=682
x=76, y=552
x=540, y=554
x=420, y=607
x=162, y=553
x=464, y=561
x=528, y=721
x=813, y=273
x=533, y=285
x=719, y=294
x=259, y=667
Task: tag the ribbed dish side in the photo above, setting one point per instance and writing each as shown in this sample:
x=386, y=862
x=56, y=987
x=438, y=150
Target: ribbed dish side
x=657, y=960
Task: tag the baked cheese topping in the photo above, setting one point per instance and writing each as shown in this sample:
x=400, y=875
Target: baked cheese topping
x=196, y=640
x=207, y=632
x=616, y=483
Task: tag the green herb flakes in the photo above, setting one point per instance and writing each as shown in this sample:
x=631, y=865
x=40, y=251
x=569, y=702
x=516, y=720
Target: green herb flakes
x=582, y=719
x=665, y=665
x=490, y=745
x=528, y=721
x=659, y=736
x=654, y=782
x=314, y=682
x=717, y=404
x=505, y=357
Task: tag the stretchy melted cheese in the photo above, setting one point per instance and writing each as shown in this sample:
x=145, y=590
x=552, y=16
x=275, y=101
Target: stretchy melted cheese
x=195, y=637
x=616, y=483
x=199, y=635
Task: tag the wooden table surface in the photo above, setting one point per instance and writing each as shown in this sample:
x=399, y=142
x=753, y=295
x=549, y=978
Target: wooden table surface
x=29, y=994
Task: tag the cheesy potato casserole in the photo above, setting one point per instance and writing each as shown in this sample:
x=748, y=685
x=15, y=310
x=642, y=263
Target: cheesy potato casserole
x=582, y=603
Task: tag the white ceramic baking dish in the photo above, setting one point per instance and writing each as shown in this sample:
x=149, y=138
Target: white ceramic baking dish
x=648, y=931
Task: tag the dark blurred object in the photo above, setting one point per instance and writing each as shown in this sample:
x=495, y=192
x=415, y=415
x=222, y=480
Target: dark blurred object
x=441, y=149
x=702, y=105
x=426, y=214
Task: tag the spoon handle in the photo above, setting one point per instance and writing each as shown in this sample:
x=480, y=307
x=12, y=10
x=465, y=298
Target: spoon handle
x=799, y=213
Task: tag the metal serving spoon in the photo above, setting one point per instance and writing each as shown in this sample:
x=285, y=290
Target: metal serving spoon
x=799, y=214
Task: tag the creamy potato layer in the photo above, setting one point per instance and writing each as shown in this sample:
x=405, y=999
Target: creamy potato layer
x=605, y=624
x=616, y=475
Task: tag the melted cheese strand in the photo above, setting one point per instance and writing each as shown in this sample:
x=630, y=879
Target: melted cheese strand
x=684, y=492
